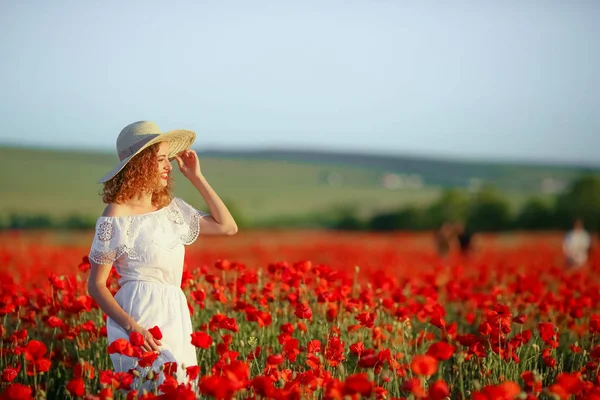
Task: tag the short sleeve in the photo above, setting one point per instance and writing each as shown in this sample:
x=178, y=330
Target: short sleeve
x=108, y=244
x=190, y=218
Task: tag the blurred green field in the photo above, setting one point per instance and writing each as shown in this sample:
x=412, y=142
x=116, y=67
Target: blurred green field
x=61, y=183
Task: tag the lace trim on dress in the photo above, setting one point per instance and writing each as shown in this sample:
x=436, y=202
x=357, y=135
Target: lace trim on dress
x=110, y=256
x=194, y=231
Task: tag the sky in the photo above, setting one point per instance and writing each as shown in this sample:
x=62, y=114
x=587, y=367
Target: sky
x=497, y=80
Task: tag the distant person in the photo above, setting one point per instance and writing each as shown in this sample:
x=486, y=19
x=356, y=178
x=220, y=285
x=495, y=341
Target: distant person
x=443, y=239
x=142, y=232
x=464, y=238
x=576, y=245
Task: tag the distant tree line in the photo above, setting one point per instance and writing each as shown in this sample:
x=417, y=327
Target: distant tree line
x=43, y=221
x=76, y=221
x=488, y=210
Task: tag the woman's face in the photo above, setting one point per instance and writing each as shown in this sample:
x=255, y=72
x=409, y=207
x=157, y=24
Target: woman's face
x=164, y=165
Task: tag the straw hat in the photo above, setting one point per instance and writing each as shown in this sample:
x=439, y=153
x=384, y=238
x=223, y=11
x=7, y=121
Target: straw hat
x=137, y=136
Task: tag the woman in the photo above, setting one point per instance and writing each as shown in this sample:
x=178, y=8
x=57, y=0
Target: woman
x=143, y=231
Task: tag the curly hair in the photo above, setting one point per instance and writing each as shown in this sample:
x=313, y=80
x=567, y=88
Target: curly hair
x=138, y=176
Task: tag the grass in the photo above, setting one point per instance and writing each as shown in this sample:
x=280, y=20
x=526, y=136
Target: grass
x=60, y=183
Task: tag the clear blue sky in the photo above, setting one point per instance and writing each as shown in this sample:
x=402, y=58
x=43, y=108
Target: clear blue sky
x=478, y=79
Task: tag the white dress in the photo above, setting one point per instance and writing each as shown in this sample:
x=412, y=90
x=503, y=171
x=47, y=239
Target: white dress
x=147, y=251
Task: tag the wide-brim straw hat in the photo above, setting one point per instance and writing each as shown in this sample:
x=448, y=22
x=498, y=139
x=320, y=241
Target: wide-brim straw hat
x=140, y=135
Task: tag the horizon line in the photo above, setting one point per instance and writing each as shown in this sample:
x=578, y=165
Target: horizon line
x=533, y=162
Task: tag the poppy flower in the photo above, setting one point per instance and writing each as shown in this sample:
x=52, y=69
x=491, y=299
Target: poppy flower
x=136, y=339
x=229, y=324
x=303, y=311
x=439, y=390
x=366, y=319
x=76, y=387
x=147, y=359
x=120, y=346
x=424, y=365
x=9, y=374
x=17, y=391
x=170, y=368
x=358, y=384
x=441, y=350
x=192, y=372
x=156, y=333
x=201, y=340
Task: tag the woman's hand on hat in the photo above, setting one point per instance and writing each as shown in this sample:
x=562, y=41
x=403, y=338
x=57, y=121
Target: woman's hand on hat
x=189, y=164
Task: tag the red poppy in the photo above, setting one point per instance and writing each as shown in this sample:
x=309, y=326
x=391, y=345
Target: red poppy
x=441, y=350
x=76, y=387
x=357, y=348
x=192, y=372
x=35, y=350
x=136, y=339
x=9, y=374
x=147, y=359
x=120, y=346
x=303, y=311
x=424, y=365
x=366, y=319
x=156, y=333
x=83, y=370
x=314, y=346
x=503, y=391
x=415, y=387
x=229, y=324
x=54, y=322
x=275, y=359
x=169, y=385
x=358, y=384
x=17, y=391
x=254, y=354
x=201, y=339
x=439, y=390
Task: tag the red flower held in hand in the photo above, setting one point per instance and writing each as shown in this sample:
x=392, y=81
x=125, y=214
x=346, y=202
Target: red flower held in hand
x=136, y=339
x=201, y=339
x=156, y=333
x=303, y=311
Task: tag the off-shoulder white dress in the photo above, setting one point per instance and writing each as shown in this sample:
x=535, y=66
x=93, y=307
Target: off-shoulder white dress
x=147, y=251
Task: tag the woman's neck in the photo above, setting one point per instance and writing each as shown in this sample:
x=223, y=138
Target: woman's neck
x=142, y=200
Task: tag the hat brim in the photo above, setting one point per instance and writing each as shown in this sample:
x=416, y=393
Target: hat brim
x=179, y=140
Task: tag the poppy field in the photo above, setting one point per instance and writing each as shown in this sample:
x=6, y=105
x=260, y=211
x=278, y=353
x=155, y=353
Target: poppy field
x=301, y=314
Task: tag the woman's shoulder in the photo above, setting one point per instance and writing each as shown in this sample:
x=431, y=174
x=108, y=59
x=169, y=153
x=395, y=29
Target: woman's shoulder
x=115, y=210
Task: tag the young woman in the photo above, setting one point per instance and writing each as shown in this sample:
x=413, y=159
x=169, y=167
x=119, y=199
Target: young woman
x=142, y=232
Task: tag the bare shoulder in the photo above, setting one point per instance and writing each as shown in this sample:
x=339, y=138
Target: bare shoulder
x=116, y=210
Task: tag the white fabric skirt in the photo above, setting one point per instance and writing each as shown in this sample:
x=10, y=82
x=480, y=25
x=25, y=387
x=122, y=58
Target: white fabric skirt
x=156, y=304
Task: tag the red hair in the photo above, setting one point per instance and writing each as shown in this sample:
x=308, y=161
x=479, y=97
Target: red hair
x=138, y=176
